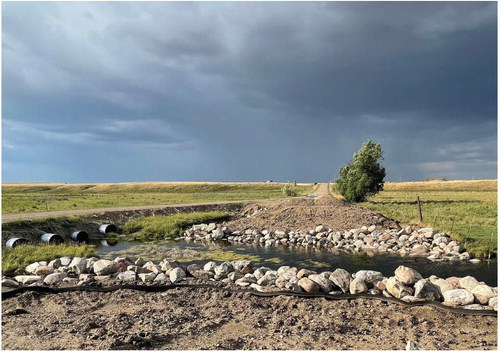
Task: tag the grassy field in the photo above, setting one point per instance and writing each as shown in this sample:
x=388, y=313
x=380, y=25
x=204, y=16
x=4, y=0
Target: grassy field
x=467, y=210
x=40, y=197
x=169, y=226
x=19, y=257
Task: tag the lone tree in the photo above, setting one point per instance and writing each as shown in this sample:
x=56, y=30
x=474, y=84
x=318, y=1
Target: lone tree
x=364, y=176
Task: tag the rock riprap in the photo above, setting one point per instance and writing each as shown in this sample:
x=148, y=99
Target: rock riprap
x=424, y=242
x=407, y=284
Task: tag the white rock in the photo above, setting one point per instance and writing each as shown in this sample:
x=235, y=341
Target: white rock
x=78, y=265
x=176, y=275
x=30, y=269
x=105, y=267
x=27, y=279
x=55, y=278
x=458, y=297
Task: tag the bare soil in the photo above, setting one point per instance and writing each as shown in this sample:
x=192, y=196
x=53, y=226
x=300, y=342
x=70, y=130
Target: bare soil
x=209, y=319
x=307, y=213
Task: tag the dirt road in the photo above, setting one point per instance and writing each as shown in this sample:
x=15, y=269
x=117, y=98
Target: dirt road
x=52, y=214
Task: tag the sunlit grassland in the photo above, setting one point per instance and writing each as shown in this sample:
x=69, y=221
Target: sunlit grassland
x=467, y=210
x=167, y=226
x=41, y=197
x=20, y=256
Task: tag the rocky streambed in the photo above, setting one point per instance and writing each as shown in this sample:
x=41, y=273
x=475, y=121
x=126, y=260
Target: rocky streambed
x=406, y=284
x=423, y=242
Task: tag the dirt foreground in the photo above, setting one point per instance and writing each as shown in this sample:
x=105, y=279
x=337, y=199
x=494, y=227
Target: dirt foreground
x=194, y=318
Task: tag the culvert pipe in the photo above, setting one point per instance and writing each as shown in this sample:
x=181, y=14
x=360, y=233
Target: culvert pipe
x=107, y=228
x=51, y=238
x=80, y=236
x=16, y=241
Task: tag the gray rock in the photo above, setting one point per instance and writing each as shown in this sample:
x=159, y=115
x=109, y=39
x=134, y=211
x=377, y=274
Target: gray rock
x=258, y=273
x=27, y=279
x=30, y=269
x=324, y=284
x=413, y=346
x=192, y=268
x=267, y=280
x=493, y=303
x=407, y=275
x=217, y=234
x=281, y=282
x=55, y=278
x=140, y=262
x=105, y=267
x=161, y=278
x=78, y=265
x=357, y=286
x=222, y=270
x=127, y=276
x=370, y=277
x=242, y=266
x=396, y=288
x=176, y=275
x=9, y=283
x=342, y=279
x=210, y=266
x=442, y=285
x=458, y=297
x=147, y=277
x=123, y=262
x=56, y=263
x=427, y=290
x=283, y=269
x=203, y=274
x=70, y=281
x=137, y=269
x=308, y=285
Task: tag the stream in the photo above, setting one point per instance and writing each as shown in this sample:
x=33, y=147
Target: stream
x=319, y=259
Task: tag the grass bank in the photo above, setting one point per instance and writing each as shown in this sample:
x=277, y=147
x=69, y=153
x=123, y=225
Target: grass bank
x=20, y=256
x=41, y=197
x=467, y=210
x=168, y=226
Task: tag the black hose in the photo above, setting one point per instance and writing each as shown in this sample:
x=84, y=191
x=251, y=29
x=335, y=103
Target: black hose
x=51, y=290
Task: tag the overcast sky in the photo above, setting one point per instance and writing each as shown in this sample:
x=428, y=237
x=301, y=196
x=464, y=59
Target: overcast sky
x=134, y=91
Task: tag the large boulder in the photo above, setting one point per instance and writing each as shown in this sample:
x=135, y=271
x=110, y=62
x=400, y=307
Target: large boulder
x=397, y=289
x=357, y=286
x=267, y=280
x=468, y=283
x=325, y=285
x=55, y=278
x=304, y=273
x=342, y=279
x=44, y=270
x=210, y=266
x=242, y=266
x=308, y=285
x=458, y=297
x=127, y=276
x=443, y=285
x=427, y=290
x=27, y=279
x=370, y=277
x=30, y=269
x=176, y=275
x=78, y=265
x=124, y=262
x=105, y=267
x=483, y=293
x=222, y=270
x=407, y=275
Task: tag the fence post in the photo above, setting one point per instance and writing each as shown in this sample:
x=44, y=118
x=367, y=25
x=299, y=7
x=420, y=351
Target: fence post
x=419, y=209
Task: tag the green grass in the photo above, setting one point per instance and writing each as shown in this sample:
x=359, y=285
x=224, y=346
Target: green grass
x=21, y=256
x=33, y=197
x=167, y=226
x=467, y=210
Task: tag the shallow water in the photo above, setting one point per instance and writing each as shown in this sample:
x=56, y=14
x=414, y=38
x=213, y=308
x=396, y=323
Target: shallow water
x=320, y=259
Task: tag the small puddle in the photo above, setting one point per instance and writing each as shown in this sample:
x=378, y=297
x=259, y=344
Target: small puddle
x=320, y=259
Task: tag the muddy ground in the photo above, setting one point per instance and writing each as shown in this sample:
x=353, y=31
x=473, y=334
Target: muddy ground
x=205, y=318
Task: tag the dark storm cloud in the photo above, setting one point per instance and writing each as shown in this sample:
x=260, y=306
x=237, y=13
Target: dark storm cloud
x=247, y=91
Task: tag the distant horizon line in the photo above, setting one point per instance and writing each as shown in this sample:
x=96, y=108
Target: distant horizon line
x=433, y=179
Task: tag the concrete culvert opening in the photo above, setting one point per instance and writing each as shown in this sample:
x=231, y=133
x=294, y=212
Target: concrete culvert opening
x=16, y=241
x=52, y=238
x=80, y=236
x=108, y=228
